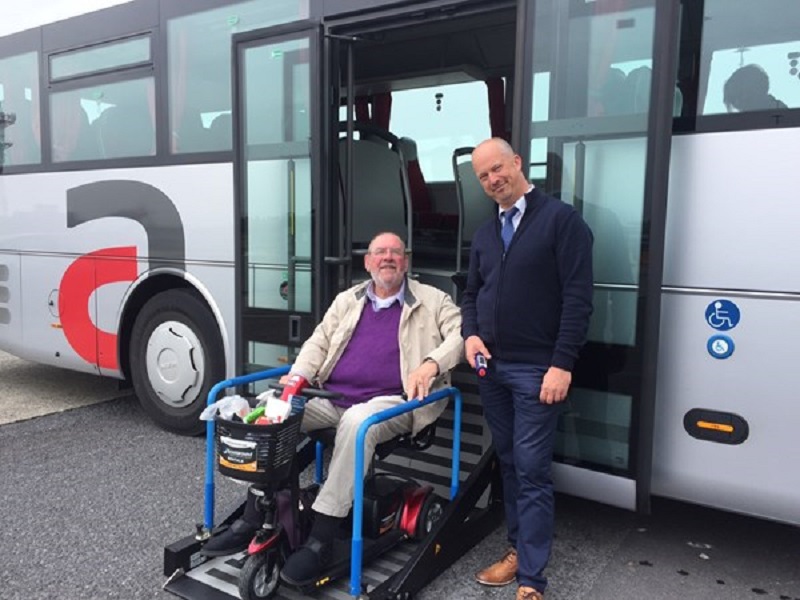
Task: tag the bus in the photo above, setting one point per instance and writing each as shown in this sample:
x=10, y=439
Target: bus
x=185, y=186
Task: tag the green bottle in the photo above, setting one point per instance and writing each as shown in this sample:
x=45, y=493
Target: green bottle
x=254, y=414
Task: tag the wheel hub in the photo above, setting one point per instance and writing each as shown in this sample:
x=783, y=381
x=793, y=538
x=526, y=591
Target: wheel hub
x=175, y=363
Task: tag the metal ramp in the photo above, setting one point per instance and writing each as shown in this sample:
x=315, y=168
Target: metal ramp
x=217, y=579
x=409, y=566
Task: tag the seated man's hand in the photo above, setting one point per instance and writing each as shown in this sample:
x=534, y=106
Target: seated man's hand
x=419, y=380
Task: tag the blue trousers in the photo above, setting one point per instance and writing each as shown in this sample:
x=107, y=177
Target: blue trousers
x=523, y=434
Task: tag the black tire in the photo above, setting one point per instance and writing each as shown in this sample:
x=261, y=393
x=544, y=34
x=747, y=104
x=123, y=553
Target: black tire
x=259, y=578
x=176, y=356
x=430, y=513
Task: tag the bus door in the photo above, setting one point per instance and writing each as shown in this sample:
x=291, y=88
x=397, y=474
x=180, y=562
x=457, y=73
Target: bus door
x=593, y=115
x=277, y=182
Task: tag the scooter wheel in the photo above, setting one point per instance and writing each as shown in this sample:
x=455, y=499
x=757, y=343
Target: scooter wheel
x=430, y=513
x=258, y=578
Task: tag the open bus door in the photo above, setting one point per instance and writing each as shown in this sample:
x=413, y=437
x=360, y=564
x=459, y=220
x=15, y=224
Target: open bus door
x=593, y=114
x=278, y=174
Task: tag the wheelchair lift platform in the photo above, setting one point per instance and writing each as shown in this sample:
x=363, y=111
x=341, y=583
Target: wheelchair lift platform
x=395, y=575
x=402, y=571
x=217, y=578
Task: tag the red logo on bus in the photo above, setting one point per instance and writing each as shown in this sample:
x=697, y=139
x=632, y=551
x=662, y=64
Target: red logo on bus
x=81, y=279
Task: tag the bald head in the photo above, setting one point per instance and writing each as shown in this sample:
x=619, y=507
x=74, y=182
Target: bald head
x=499, y=170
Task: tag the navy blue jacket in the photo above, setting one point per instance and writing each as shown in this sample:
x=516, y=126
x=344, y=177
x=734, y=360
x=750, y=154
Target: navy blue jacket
x=533, y=304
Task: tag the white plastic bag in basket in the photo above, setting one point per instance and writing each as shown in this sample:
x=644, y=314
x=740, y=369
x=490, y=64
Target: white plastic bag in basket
x=227, y=407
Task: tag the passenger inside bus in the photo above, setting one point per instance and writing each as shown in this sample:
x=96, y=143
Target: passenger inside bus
x=747, y=89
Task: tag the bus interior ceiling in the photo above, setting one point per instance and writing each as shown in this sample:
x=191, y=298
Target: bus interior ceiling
x=390, y=58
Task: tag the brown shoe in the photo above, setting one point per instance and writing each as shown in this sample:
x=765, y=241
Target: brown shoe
x=503, y=572
x=528, y=593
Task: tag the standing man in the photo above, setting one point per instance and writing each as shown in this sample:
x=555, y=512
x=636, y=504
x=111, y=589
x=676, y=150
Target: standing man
x=526, y=308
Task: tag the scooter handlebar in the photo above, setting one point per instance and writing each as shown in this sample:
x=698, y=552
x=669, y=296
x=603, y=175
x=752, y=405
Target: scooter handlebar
x=311, y=392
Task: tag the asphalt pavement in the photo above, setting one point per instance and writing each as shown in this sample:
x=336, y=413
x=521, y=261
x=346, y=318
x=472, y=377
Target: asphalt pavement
x=91, y=495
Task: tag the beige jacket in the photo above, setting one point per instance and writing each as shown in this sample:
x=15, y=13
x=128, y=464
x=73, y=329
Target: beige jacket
x=430, y=327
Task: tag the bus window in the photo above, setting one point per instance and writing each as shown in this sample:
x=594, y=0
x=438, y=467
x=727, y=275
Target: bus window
x=104, y=121
x=200, y=69
x=19, y=101
x=440, y=119
x=749, y=66
x=105, y=57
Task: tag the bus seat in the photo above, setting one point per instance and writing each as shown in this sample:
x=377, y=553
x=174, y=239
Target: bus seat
x=380, y=195
x=220, y=132
x=425, y=216
x=474, y=206
x=125, y=131
x=637, y=89
x=73, y=138
x=189, y=135
x=613, y=94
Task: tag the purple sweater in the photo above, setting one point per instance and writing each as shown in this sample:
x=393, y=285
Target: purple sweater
x=370, y=363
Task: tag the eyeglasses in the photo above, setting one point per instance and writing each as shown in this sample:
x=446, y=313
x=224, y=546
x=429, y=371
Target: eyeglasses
x=398, y=252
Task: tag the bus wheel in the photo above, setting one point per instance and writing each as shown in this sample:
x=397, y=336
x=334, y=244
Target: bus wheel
x=176, y=355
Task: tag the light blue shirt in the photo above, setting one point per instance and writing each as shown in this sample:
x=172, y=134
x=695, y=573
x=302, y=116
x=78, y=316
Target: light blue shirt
x=381, y=303
x=521, y=205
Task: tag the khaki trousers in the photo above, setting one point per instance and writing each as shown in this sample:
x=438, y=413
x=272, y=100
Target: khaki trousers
x=336, y=495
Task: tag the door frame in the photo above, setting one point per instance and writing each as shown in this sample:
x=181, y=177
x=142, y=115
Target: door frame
x=298, y=325
x=659, y=140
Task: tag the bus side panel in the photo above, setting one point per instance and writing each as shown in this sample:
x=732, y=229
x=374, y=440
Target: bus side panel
x=44, y=339
x=759, y=382
x=83, y=256
x=203, y=197
x=10, y=304
x=733, y=211
x=731, y=234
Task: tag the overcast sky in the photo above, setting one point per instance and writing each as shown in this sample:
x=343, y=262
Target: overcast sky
x=22, y=14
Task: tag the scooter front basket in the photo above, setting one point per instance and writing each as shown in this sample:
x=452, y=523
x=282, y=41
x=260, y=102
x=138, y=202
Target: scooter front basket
x=257, y=453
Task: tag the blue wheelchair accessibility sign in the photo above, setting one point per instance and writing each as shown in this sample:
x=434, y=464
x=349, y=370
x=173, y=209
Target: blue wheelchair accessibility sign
x=722, y=315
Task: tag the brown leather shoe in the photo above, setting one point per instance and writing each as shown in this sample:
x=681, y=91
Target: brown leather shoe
x=528, y=593
x=503, y=572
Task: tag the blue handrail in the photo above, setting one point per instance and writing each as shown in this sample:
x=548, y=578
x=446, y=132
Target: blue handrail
x=357, y=548
x=208, y=518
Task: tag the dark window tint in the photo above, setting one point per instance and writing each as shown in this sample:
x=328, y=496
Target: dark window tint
x=104, y=121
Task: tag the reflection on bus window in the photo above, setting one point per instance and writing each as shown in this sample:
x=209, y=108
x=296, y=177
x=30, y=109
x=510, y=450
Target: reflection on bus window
x=19, y=102
x=108, y=121
x=740, y=74
x=199, y=47
x=440, y=119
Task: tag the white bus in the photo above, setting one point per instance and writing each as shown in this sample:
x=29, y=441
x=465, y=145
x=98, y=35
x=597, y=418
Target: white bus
x=186, y=185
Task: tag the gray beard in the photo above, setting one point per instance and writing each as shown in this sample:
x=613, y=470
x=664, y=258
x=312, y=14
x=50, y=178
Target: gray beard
x=380, y=284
